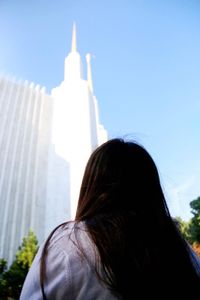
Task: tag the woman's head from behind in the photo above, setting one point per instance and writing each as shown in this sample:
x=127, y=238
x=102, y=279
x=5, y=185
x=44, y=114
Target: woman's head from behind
x=121, y=176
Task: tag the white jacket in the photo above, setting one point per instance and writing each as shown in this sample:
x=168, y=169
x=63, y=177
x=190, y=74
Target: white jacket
x=69, y=275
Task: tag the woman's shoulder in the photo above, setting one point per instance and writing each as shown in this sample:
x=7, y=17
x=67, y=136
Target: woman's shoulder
x=70, y=235
x=64, y=264
x=70, y=273
x=72, y=242
x=72, y=252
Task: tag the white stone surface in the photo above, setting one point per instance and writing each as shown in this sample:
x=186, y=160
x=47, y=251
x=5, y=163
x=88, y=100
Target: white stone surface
x=24, y=142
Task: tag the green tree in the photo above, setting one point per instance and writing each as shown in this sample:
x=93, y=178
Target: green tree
x=27, y=250
x=194, y=227
x=3, y=266
x=184, y=228
x=11, y=281
x=3, y=269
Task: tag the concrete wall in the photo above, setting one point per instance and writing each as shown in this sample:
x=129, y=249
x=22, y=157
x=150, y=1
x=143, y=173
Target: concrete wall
x=24, y=140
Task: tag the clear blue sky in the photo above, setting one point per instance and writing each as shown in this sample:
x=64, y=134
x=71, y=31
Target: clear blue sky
x=146, y=72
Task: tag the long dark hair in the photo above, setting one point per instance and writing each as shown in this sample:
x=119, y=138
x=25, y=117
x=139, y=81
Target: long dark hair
x=123, y=206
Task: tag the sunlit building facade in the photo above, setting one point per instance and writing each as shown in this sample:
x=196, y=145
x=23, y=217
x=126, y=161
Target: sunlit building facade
x=45, y=141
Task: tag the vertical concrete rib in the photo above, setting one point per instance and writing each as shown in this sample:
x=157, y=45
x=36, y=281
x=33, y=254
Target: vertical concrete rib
x=15, y=238
x=22, y=163
x=35, y=194
x=5, y=113
x=32, y=168
x=5, y=89
x=26, y=213
x=7, y=163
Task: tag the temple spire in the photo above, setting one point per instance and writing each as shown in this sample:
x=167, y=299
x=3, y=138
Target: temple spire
x=73, y=65
x=89, y=72
x=74, y=47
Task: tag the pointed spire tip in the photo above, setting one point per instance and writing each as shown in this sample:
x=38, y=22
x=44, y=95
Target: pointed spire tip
x=74, y=46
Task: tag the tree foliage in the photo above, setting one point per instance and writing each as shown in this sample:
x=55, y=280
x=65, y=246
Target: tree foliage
x=194, y=228
x=11, y=280
x=191, y=230
x=3, y=266
x=183, y=227
x=27, y=251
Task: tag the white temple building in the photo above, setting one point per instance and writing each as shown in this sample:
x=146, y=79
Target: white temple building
x=45, y=142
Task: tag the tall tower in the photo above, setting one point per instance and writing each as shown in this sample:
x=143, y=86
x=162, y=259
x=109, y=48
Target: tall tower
x=76, y=132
